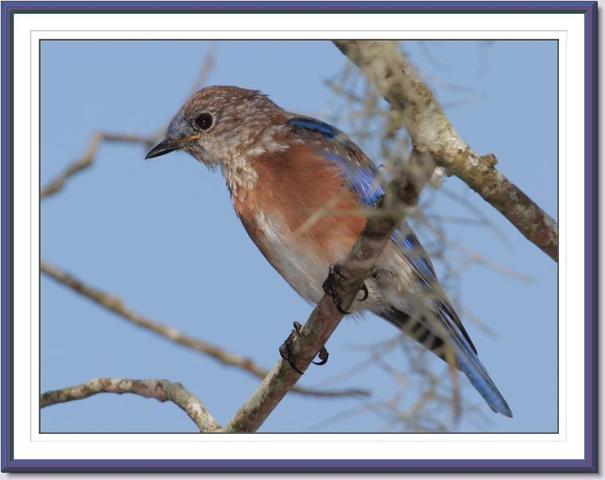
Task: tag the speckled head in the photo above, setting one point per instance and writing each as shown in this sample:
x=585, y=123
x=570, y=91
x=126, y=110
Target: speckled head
x=219, y=123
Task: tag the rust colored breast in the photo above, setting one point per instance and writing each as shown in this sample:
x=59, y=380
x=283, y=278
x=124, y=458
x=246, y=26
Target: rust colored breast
x=306, y=195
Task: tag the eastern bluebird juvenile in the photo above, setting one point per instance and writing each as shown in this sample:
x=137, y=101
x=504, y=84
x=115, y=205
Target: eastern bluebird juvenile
x=281, y=169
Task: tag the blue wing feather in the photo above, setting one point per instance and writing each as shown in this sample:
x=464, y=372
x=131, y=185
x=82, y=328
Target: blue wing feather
x=314, y=125
x=361, y=180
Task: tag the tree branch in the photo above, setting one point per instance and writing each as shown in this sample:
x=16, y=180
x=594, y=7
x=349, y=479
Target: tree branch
x=116, y=306
x=390, y=72
x=161, y=390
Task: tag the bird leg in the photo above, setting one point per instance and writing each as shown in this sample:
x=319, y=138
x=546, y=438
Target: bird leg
x=286, y=350
x=331, y=290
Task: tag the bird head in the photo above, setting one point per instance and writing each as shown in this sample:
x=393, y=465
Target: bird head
x=217, y=123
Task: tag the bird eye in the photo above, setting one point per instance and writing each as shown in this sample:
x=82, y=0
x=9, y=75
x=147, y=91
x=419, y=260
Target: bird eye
x=204, y=121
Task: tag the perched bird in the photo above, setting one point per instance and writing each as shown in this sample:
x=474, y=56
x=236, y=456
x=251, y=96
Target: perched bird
x=281, y=170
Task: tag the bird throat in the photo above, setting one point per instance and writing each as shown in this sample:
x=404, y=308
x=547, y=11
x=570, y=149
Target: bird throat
x=240, y=176
x=238, y=168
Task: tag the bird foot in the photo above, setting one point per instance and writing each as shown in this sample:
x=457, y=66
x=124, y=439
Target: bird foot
x=329, y=288
x=285, y=350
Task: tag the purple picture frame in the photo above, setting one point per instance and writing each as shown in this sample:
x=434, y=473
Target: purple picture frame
x=587, y=464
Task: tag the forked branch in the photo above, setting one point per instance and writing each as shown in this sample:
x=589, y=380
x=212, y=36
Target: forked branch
x=389, y=71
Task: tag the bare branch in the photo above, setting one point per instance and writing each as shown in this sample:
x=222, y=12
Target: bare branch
x=88, y=157
x=116, y=306
x=390, y=72
x=161, y=390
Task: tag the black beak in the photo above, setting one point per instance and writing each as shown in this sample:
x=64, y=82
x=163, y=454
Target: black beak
x=164, y=147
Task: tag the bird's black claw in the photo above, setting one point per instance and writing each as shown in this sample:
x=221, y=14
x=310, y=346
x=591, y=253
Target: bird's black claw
x=366, y=294
x=323, y=357
x=330, y=288
x=339, y=308
x=285, y=350
x=323, y=353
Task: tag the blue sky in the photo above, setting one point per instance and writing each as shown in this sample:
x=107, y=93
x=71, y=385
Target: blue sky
x=162, y=234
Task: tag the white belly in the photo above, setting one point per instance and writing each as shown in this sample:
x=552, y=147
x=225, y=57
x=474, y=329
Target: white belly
x=304, y=271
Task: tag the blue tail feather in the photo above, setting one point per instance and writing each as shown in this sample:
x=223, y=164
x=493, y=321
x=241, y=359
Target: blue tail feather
x=471, y=366
x=477, y=374
x=442, y=333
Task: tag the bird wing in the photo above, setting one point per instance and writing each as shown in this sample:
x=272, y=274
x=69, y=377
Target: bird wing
x=362, y=177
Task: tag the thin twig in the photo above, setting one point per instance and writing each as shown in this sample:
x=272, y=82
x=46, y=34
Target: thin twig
x=206, y=69
x=88, y=158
